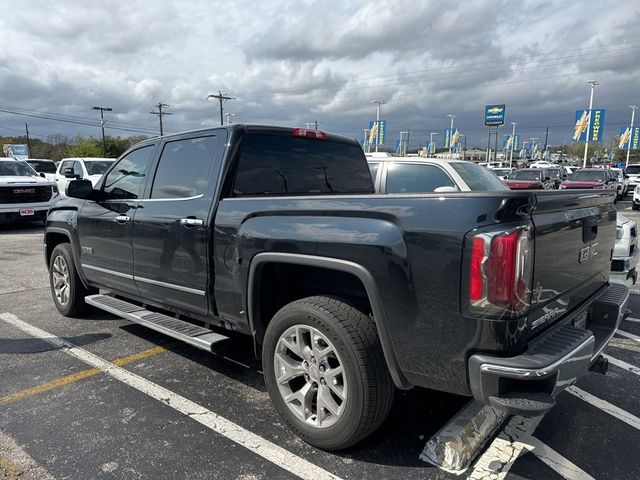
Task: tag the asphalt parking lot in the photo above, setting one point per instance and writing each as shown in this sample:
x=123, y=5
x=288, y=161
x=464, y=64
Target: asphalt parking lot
x=161, y=409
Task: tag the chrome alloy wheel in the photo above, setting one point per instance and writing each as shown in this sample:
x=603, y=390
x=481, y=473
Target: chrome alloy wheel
x=310, y=376
x=61, y=280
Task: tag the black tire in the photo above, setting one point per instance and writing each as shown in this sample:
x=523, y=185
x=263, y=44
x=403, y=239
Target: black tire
x=76, y=290
x=355, y=338
x=634, y=206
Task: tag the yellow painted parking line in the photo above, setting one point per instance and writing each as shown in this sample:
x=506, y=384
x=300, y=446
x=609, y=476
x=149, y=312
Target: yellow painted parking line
x=74, y=377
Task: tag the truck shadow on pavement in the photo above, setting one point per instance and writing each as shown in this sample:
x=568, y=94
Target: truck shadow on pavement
x=416, y=415
x=18, y=346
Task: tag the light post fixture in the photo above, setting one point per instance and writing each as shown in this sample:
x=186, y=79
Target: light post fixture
x=378, y=103
x=513, y=141
x=229, y=116
x=104, y=143
x=431, y=141
x=593, y=84
x=450, y=115
x=633, y=114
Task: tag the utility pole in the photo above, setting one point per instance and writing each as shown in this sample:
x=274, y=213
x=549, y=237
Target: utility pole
x=26, y=128
x=633, y=114
x=431, y=143
x=495, y=154
x=378, y=103
x=464, y=146
x=513, y=141
x=230, y=116
x=222, y=97
x=586, y=143
x=104, y=143
x=160, y=114
x=546, y=139
x=450, y=132
x=408, y=133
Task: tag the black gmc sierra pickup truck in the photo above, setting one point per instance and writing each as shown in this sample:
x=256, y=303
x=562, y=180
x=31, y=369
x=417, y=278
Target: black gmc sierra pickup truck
x=277, y=233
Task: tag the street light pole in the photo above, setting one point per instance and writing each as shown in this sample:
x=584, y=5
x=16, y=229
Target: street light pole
x=378, y=103
x=104, y=143
x=586, y=143
x=633, y=114
x=431, y=141
x=513, y=140
x=450, y=131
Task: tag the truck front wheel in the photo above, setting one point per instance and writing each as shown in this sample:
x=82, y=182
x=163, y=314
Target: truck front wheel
x=325, y=372
x=66, y=287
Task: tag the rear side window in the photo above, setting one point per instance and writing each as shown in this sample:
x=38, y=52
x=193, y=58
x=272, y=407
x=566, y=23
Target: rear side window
x=415, y=178
x=632, y=169
x=183, y=171
x=287, y=165
x=478, y=178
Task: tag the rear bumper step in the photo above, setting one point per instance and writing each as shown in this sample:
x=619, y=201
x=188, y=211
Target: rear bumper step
x=527, y=384
x=200, y=337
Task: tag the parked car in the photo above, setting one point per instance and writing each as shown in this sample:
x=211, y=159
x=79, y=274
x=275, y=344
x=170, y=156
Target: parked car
x=633, y=172
x=541, y=164
x=592, y=178
x=81, y=169
x=635, y=204
x=625, y=253
x=502, y=173
x=278, y=234
x=424, y=175
x=557, y=174
x=25, y=195
x=45, y=166
x=530, y=179
x=623, y=182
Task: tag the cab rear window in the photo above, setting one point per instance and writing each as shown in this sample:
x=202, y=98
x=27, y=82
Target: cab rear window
x=283, y=165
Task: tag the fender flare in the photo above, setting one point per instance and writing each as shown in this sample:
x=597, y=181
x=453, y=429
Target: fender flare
x=360, y=272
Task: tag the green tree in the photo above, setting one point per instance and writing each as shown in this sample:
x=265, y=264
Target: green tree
x=82, y=147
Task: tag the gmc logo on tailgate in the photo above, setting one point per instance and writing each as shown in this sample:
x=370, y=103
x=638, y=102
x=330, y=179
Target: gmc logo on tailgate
x=587, y=253
x=24, y=190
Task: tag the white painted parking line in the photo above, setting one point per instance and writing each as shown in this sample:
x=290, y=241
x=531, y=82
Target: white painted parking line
x=226, y=428
x=505, y=449
x=630, y=319
x=628, y=335
x=606, y=407
x=620, y=364
x=556, y=461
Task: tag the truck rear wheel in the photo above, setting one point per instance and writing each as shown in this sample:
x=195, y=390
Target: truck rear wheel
x=66, y=287
x=325, y=372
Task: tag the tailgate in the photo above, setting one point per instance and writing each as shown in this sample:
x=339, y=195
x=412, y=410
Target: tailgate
x=574, y=239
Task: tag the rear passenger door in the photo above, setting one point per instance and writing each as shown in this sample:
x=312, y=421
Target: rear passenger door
x=415, y=178
x=172, y=227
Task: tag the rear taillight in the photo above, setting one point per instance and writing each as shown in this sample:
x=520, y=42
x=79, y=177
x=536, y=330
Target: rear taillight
x=304, y=132
x=500, y=271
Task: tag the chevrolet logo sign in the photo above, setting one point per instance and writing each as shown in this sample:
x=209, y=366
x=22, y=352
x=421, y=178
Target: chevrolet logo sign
x=24, y=190
x=494, y=110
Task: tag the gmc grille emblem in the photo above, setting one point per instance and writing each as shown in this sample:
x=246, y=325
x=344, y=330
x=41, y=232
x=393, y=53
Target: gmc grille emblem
x=587, y=253
x=24, y=190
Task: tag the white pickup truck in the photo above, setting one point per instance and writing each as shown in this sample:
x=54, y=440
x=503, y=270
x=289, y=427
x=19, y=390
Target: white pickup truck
x=24, y=194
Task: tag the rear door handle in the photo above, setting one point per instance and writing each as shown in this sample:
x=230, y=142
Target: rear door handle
x=191, y=222
x=122, y=219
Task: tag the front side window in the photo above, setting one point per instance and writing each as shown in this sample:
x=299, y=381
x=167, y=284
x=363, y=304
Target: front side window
x=44, y=167
x=97, y=167
x=77, y=169
x=184, y=167
x=64, y=165
x=414, y=178
x=125, y=180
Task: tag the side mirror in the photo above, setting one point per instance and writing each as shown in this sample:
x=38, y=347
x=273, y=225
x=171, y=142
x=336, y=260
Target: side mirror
x=79, y=189
x=565, y=176
x=68, y=173
x=546, y=179
x=626, y=176
x=42, y=175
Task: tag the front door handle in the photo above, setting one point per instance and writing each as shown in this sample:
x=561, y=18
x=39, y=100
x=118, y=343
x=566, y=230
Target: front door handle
x=122, y=219
x=191, y=222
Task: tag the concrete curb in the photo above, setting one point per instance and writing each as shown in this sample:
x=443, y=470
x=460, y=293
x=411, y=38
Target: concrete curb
x=455, y=445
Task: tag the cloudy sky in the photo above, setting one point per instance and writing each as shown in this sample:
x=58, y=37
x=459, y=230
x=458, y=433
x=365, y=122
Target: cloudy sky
x=289, y=63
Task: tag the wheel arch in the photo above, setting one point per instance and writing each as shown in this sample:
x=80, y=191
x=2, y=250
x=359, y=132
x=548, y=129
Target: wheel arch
x=258, y=324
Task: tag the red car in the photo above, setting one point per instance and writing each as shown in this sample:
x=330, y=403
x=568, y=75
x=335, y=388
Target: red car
x=530, y=179
x=599, y=178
